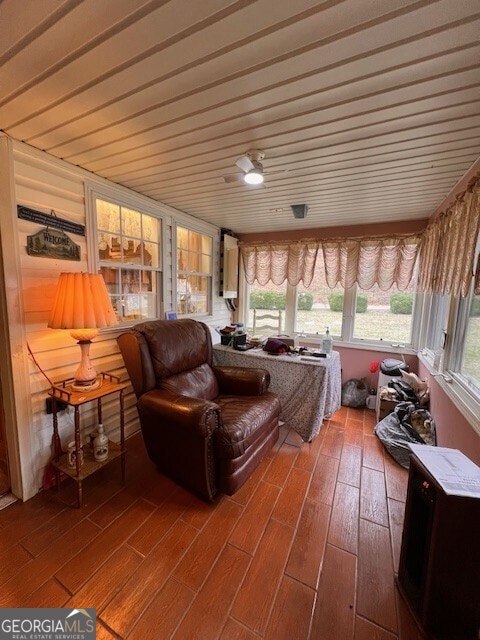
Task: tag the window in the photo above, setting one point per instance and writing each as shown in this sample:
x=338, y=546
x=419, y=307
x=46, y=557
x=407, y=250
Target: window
x=383, y=315
x=194, y=272
x=436, y=317
x=269, y=300
x=470, y=362
x=463, y=360
x=129, y=256
x=353, y=315
x=319, y=306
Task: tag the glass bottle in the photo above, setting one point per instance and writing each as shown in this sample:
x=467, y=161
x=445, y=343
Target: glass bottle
x=100, y=445
x=327, y=342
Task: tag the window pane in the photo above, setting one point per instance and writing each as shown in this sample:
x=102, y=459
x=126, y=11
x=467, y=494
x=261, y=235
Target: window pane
x=131, y=223
x=267, y=300
x=471, y=352
x=108, y=216
x=194, y=241
x=194, y=262
x=206, y=264
x=193, y=294
x=112, y=281
x=200, y=293
x=182, y=238
x=437, y=321
x=381, y=315
x=207, y=245
x=319, y=306
x=151, y=254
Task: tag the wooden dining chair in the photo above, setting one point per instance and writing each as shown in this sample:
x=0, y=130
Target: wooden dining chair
x=268, y=326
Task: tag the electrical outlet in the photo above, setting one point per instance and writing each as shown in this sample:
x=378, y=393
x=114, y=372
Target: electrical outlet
x=61, y=406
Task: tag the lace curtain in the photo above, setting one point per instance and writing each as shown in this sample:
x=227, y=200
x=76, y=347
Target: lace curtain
x=448, y=254
x=365, y=261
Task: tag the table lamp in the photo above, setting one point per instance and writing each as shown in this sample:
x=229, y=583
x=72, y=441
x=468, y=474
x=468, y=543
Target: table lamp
x=82, y=304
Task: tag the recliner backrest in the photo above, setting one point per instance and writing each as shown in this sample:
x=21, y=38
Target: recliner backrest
x=181, y=356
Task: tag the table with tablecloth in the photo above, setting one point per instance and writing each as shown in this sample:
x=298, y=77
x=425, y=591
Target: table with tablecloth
x=309, y=390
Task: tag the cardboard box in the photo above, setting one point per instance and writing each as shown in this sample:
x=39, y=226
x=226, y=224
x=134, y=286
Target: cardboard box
x=290, y=342
x=386, y=407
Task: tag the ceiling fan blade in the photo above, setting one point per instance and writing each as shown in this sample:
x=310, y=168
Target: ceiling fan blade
x=245, y=164
x=233, y=177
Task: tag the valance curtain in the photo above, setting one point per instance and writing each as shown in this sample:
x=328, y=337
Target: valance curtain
x=365, y=261
x=371, y=261
x=277, y=262
x=449, y=245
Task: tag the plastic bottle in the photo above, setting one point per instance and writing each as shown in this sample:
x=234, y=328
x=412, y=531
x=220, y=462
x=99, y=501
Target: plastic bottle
x=327, y=342
x=100, y=445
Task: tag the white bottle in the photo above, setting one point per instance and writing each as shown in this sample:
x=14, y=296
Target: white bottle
x=100, y=445
x=327, y=342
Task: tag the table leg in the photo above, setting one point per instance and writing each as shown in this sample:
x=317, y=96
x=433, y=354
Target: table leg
x=77, y=456
x=122, y=434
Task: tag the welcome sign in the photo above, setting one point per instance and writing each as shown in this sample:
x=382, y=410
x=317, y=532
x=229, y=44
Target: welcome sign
x=51, y=243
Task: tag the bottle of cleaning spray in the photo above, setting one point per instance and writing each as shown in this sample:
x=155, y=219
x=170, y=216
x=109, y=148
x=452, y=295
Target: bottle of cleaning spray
x=327, y=342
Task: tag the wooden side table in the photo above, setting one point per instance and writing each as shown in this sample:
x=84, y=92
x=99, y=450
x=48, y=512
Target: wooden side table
x=63, y=392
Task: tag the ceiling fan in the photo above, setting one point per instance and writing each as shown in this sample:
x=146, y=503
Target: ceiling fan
x=252, y=167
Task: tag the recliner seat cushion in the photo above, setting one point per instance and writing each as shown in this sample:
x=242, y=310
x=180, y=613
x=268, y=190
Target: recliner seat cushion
x=245, y=420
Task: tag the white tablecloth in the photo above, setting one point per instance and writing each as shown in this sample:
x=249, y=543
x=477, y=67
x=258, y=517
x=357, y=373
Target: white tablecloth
x=308, y=390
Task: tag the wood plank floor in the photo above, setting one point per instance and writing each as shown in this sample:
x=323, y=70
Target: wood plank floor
x=307, y=549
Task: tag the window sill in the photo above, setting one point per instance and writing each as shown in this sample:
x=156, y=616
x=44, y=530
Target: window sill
x=468, y=406
x=364, y=346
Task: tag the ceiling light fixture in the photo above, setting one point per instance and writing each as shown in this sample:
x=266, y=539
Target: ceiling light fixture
x=254, y=176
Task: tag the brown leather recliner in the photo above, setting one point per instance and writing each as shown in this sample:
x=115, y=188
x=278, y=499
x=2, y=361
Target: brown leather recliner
x=206, y=427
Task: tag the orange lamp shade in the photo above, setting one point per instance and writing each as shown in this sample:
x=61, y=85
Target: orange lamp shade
x=83, y=306
x=81, y=302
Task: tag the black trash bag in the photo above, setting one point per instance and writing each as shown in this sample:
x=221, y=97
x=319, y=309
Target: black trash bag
x=406, y=424
x=355, y=392
x=404, y=391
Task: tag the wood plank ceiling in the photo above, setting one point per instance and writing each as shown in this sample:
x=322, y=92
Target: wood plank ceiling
x=366, y=110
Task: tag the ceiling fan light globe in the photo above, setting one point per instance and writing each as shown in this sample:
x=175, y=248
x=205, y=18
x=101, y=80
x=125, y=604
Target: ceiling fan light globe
x=255, y=176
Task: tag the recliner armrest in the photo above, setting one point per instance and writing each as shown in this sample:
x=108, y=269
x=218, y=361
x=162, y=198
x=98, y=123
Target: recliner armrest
x=182, y=412
x=242, y=381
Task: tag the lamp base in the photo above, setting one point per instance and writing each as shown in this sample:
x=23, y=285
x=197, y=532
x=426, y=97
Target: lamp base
x=78, y=385
x=85, y=376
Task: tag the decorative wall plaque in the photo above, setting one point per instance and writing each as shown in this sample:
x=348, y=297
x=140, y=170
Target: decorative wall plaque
x=51, y=243
x=50, y=219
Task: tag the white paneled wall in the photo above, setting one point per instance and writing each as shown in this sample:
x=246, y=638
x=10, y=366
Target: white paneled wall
x=45, y=183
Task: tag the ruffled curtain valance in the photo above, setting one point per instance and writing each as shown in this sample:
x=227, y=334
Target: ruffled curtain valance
x=448, y=255
x=371, y=261
x=294, y=262
x=365, y=261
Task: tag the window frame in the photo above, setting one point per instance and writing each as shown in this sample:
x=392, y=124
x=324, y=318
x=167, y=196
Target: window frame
x=459, y=318
x=348, y=319
x=204, y=231
x=95, y=191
